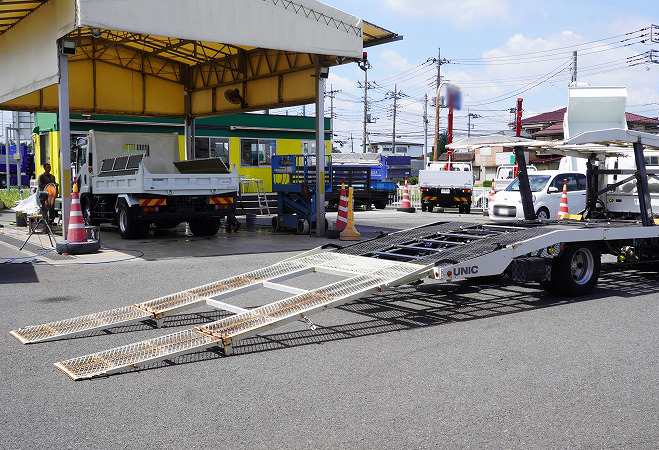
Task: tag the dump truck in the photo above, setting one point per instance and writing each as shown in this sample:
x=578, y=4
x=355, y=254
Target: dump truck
x=136, y=179
x=366, y=173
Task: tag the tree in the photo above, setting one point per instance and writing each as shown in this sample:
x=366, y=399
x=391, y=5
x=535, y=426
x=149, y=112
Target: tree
x=442, y=141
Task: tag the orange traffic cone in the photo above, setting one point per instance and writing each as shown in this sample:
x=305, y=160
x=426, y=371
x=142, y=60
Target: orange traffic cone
x=492, y=191
x=342, y=217
x=350, y=233
x=406, y=206
x=76, y=231
x=563, y=208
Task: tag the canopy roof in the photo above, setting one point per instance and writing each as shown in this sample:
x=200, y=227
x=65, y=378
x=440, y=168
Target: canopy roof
x=174, y=58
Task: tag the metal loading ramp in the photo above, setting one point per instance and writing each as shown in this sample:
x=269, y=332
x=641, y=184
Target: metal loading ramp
x=161, y=307
x=369, y=266
x=225, y=332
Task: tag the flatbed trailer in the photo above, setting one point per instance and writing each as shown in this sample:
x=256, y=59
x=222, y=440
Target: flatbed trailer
x=563, y=255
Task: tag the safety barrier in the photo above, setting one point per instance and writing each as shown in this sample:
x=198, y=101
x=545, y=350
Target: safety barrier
x=479, y=197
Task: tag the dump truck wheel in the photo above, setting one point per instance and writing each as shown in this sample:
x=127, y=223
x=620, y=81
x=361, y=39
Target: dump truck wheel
x=576, y=271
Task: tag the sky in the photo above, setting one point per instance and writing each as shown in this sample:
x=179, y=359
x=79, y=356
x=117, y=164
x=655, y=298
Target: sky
x=496, y=51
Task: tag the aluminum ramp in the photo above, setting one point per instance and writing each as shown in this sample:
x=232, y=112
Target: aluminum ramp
x=385, y=262
x=379, y=274
x=159, y=308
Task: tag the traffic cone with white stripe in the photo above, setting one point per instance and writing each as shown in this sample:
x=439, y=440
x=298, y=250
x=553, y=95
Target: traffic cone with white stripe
x=563, y=208
x=350, y=233
x=405, y=205
x=76, y=231
x=342, y=217
x=492, y=190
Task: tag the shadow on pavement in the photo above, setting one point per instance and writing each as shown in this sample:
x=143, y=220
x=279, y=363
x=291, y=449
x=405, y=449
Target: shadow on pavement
x=17, y=273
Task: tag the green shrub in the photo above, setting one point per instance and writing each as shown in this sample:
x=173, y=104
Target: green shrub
x=487, y=183
x=414, y=180
x=12, y=197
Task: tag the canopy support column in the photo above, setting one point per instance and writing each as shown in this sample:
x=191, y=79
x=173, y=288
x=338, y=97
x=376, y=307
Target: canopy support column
x=524, y=185
x=190, y=125
x=320, y=151
x=64, y=139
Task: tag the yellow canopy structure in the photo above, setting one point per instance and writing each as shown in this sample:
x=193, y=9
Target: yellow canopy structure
x=173, y=58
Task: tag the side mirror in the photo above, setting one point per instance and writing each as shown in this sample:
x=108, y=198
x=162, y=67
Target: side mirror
x=553, y=190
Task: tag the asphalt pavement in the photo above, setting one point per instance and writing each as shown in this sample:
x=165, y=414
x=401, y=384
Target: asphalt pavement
x=431, y=366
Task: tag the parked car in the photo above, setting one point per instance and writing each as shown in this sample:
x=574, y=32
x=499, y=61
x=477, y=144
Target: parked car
x=547, y=188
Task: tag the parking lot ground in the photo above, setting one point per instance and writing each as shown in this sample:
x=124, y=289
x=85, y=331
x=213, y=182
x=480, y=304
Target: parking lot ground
x=431, y=366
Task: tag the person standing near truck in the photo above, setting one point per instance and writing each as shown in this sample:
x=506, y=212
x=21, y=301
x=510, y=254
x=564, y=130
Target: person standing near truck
x=45, y=179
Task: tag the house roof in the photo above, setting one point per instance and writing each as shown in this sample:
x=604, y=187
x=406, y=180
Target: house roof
x=557, y=116
x=555, y=129
x=458, y=157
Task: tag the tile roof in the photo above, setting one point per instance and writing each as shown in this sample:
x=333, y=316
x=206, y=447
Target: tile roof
x=555, y=129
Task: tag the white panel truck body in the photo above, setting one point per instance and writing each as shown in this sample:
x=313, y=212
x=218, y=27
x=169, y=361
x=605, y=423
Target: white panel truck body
x=446, y=185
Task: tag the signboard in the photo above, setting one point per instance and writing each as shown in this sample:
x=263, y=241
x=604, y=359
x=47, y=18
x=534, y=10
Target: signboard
x=452, y=94
x=505, y=158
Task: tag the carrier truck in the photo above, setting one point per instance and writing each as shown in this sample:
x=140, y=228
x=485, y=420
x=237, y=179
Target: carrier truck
x=136, y=179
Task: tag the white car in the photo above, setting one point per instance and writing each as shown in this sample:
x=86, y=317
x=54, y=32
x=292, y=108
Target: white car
x=547, y=188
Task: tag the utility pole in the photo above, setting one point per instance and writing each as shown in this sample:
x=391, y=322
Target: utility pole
x=469, y=117
x=574, y=67
x=393, y=142
x=331, y=94
x=352, y=144
x=425, y=130
x=365, y=65
x=438, y=82
x=304, y=110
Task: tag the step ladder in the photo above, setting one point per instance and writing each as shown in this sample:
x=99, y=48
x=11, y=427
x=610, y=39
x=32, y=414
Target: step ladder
x=261, y=197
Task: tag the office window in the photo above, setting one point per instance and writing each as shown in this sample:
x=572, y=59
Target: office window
x=308, y=147
x=212, y=148
x=257, y=152
x=44, y=148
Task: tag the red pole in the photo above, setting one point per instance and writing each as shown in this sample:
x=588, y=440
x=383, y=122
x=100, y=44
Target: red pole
x=518, y=124
x=449, y=139
x=519, y=117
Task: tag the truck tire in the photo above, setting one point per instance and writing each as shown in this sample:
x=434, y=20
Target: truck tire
x=430, y=207
x=302, y=226
x=276, y=223
x=576, y=271
x=199, y=227
x=467, y=209
x=423, y=207
x=3, y=181
x=213, y=226
x=129, y=226
x=380, y=204
x=87, y=213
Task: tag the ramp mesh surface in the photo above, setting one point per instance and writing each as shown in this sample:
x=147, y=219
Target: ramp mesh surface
x=234, y=328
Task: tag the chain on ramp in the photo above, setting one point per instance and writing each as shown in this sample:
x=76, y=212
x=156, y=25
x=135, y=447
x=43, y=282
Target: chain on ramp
x=169, y=304
x=225, y=332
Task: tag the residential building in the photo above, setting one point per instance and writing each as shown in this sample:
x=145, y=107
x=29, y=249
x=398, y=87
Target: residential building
x=412, y=149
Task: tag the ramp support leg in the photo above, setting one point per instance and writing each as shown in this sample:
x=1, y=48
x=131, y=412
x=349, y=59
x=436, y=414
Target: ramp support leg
x=524, y=185
x=644, y=200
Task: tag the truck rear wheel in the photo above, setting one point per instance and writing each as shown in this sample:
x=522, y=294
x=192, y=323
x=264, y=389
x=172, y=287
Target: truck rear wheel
x=380, y=204
x=576, y=271
x=204, y=227
x=130, y=227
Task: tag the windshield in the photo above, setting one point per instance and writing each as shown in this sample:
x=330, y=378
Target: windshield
x=537, y=182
